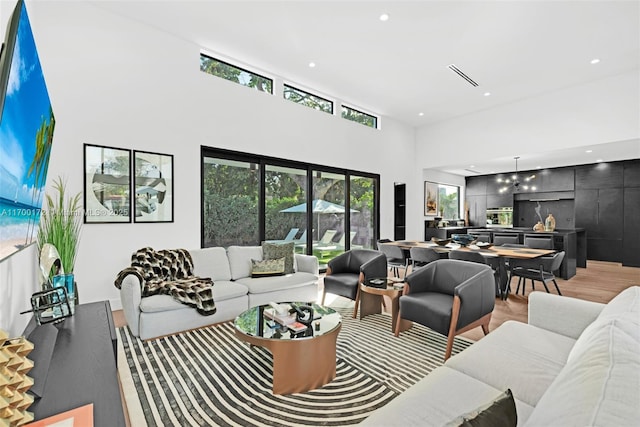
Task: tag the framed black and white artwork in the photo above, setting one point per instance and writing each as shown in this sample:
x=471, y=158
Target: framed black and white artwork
x=107, y=184
x=153, y=187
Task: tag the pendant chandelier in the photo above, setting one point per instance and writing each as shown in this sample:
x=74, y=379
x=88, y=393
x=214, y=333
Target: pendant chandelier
x=515, y=181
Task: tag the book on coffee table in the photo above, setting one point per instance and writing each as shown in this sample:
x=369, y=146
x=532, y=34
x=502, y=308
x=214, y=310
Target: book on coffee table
x=297, y=327
x=283, y=319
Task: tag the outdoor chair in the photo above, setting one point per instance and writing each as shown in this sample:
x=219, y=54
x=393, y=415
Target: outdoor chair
x=449, y=297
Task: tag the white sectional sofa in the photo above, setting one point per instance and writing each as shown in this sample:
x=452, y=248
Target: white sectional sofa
x=234, y=291
x=576, y=363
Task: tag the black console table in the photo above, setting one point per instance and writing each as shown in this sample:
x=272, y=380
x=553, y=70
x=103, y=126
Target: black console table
x=75, y=364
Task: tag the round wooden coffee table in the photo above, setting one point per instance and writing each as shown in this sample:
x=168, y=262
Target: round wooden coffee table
x=301, y=361
x=369, y=299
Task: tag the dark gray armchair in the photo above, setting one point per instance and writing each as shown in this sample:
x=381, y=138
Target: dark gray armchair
x=450, y=297
x=347, y=270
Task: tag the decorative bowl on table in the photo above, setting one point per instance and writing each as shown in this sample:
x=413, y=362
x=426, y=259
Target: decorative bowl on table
x=440, y=242
x=463, y=239
x=484, y=245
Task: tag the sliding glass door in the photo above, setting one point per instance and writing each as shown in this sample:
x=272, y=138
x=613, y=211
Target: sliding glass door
x=230, y=202
x=247, y=199
x=285, y=211
x=363, y=216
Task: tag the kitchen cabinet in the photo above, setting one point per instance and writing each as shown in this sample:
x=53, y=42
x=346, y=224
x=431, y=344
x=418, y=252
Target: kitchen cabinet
x=631, y=240
x=562, y=179
x=596, y=197
x=631, y=173
x=477, y=210
x=600, y=212
x=599, y=176
x=476, y=186
x=499, y=200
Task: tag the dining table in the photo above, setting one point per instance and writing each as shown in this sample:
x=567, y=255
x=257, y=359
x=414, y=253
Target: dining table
x=497, y=256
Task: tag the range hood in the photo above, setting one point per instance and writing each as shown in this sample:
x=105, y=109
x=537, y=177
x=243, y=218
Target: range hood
x=544, y=196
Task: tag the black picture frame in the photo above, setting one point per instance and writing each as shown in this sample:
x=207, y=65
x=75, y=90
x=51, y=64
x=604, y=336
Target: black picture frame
x=153, y=187
x=107, y=184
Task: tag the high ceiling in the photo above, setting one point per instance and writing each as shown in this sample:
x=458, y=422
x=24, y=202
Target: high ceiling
x=398, y=68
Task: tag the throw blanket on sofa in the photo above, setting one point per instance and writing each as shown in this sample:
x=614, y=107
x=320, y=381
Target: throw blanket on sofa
x=170, y=272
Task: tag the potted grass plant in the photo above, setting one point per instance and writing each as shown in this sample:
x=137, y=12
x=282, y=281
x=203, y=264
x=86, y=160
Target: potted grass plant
x=60, y=226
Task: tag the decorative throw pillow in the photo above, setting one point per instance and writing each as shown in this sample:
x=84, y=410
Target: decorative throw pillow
x=499, y=413
x=280, y=250
x=267, y=267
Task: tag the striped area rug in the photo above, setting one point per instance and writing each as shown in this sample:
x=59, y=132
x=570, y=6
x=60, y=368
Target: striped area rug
x=207, y=377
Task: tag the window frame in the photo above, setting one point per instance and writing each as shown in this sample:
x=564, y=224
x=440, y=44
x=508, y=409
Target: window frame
x=374, y=117
x=242, y=69
x=311, y=168
x=289, y=86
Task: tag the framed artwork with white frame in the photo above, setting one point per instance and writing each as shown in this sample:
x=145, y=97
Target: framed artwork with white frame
x=430, y=198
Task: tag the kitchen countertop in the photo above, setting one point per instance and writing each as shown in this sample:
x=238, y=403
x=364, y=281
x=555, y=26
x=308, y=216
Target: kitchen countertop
x=528, y=230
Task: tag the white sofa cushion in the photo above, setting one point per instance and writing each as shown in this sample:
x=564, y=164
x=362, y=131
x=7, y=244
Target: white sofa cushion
x=438, y=399
x=260, y=285
x=625, y=305
x=211, y=262
x=222, y=290
x=600, y=385
x=626, y=302
x=240, y=260
x=516, y=356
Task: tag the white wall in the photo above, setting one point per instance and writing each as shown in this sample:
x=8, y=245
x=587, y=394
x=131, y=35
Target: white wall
x=602, y=111
x=114, y=82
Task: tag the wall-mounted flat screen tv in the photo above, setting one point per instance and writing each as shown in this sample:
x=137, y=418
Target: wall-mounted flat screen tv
x=26, y=135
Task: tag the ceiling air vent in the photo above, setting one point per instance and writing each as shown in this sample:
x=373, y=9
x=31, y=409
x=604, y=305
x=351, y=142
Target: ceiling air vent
x=473, y=171
x=456, y=70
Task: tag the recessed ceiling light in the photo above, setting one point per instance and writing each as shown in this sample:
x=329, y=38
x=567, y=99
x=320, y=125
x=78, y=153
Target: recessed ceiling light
x=487, y=94
x=312, y=64
x=595, y=61
x=538, y=167
x=599, y=160
x=421, y=114
x=589, y=151
x=472, y=166
x=384, y=17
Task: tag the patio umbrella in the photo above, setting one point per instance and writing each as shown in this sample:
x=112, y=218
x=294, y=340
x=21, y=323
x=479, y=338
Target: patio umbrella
x=318, y=206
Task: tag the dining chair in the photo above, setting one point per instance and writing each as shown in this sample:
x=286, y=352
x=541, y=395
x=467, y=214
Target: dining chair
x=502, y=238
x=422, y=256
x=477, y=257
x=481, y=236
x=538, y=242
x=449, y=297
x=537, y=269
x=395, y=258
